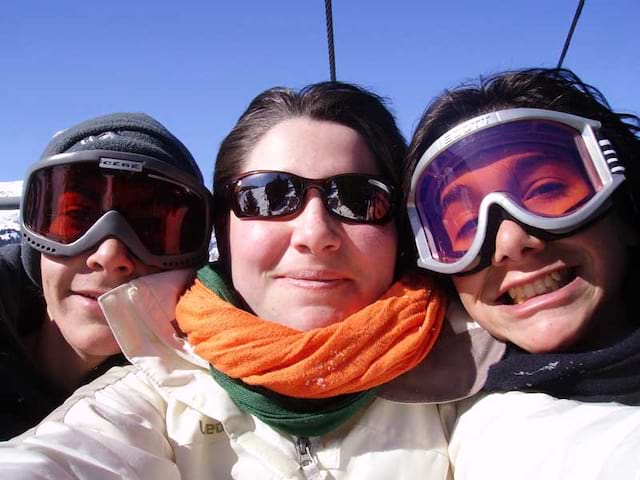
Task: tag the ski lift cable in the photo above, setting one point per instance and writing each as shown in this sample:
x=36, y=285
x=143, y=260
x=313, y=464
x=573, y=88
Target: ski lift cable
x=329, y=21
x=567, y=41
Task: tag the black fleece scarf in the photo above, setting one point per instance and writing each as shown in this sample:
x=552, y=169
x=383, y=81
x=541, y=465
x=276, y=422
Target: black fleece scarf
x=610, y=374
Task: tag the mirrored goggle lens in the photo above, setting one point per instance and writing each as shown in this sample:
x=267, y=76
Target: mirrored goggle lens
x=542, y=166
x=354, y=197
x=62, y=202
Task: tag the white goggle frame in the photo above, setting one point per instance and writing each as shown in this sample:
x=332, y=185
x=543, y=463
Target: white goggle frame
x=606, y=164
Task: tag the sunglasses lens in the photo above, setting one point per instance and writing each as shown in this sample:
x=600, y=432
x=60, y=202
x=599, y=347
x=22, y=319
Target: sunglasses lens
x=541, y=166
x=62, y=202
x=360, y=198
x=266, y=194
x=355, y=197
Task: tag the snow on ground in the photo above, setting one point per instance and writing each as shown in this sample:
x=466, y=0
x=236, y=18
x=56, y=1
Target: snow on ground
x=9, y=224
x=9, y=227
x=10, y=189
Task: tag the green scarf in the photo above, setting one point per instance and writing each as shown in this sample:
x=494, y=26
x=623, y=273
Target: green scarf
x=300, y=417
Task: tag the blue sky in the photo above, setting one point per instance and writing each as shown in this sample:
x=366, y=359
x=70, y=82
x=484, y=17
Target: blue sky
x=195, y=65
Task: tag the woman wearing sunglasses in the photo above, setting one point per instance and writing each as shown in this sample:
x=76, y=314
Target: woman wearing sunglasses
x=272, y=364
x=524, y=190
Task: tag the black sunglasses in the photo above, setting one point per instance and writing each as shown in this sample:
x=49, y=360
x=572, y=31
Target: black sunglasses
x=353, y=197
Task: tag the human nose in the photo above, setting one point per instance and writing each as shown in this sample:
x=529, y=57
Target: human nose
x=315, y=229
x=112, y=257
x=514, y=243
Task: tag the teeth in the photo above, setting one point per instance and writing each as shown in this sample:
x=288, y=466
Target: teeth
x=529, y=290
x=540, y=287
x=549, y=283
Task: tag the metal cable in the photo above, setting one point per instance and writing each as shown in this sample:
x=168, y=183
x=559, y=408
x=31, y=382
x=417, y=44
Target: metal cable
x=332, y=56
x=570, y=34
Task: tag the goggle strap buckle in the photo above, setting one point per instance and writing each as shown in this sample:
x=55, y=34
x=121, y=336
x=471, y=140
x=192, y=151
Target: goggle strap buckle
x=611, y=156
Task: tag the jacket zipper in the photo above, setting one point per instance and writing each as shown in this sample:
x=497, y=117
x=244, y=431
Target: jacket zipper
x=303, y=447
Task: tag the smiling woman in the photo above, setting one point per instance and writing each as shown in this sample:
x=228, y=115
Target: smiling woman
x=273, y=362
x=313, y=268
x=523, y=189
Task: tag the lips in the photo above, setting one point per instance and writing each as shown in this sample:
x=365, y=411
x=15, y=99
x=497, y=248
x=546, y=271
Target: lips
x=315, y=275
x=315, y=278
x=92, y=294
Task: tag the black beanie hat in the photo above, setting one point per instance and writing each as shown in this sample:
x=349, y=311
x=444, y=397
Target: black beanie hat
x=120, y=132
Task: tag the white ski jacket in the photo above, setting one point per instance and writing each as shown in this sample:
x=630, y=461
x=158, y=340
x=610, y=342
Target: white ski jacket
x=527, y=436
x=164, y=417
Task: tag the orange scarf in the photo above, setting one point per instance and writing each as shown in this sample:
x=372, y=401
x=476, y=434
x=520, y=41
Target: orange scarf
x=369, y=348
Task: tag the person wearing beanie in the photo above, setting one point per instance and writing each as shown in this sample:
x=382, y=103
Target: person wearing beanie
x=111, y=199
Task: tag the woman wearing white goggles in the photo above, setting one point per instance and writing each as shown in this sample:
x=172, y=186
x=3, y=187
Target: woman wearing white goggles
x=532, y=214
x=547, y=170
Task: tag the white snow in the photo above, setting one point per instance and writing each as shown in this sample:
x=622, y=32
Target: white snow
x=11, y=189
x=9, y=225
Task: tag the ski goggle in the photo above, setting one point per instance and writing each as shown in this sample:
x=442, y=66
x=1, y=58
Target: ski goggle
x=546, y=170
x=73, y=201
x=353, y=197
